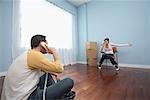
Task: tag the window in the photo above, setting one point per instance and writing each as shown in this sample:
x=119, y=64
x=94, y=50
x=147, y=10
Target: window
x=42, y=17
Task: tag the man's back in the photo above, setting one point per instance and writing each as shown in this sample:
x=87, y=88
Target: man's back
x=20, y=81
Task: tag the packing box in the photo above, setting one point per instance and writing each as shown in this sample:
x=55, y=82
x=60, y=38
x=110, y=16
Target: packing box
x=91, y=45
x=91, y=53
x=92, y=61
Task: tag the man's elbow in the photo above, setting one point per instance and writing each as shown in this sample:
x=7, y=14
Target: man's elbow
x=61, y=69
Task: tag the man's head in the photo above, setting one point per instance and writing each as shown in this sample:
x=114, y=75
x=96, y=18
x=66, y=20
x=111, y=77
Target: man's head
x=106, y=40
x=36, y=40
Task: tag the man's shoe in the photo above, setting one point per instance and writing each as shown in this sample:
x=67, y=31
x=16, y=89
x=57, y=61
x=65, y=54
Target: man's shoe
x=70, y=95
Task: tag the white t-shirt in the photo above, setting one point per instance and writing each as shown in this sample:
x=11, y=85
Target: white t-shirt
x=108, y=50
x=20, y=81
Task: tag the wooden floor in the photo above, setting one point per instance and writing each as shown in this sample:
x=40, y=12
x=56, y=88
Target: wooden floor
x=108, y=84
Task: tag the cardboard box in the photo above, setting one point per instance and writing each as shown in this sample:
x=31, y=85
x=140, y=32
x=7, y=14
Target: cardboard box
x=92, y=61
x=91, y=45
x=91, y=53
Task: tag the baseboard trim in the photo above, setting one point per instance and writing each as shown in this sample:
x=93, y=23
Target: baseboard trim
x=135, y=66
x=81, y=62
x=124, y=65
x=120, y=65
x=3, y=73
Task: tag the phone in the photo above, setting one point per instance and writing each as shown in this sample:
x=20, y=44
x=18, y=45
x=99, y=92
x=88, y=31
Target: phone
x=44, y=45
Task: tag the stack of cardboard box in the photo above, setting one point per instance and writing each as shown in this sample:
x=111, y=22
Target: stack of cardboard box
x=91, y=53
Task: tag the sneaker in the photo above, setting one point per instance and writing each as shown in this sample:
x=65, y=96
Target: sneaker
x=70, y=95
x=117, y=68
x=99, y=66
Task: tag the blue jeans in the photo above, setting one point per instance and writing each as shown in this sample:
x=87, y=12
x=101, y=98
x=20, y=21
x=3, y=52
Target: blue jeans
x=54, y=91
x=110, y=57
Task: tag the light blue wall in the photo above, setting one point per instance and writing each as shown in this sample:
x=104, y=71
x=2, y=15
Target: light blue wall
x=65, y=5
x=6, y=29
x=5, y=34
x=1, y=35
x=82, y=32
x=122, y=22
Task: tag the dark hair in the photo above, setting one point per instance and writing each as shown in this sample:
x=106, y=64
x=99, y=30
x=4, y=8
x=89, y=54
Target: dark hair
x=36, y=39
x=106, y=39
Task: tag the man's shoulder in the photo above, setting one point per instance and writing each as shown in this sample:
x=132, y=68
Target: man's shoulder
x=34, y=54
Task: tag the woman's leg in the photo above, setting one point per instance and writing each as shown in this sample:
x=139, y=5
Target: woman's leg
x=102, y=59
x=111, y=57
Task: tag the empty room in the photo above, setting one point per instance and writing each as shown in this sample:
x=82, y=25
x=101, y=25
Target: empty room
x=74, y=50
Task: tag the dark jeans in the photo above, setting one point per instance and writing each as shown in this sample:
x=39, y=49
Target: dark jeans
x=110, y=57
x=54, y=90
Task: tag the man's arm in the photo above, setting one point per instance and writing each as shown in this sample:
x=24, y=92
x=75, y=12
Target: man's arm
x=51, y=51
x=36, y=60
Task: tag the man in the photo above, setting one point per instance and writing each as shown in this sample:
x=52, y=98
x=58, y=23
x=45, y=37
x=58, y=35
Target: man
x=23, y=80
x=108, y=52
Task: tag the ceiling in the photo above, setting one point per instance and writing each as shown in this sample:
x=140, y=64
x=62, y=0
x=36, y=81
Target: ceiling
x=77, y=3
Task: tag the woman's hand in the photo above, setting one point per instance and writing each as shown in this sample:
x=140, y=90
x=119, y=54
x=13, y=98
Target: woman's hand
x=129, y=44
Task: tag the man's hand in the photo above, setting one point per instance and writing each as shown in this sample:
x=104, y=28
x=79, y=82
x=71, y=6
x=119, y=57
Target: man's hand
x=51, y=50
x=45, y=46
x=56, y=76
x=48, y=49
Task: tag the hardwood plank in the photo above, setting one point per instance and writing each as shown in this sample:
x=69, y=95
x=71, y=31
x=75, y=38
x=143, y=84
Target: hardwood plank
x=108, y=84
